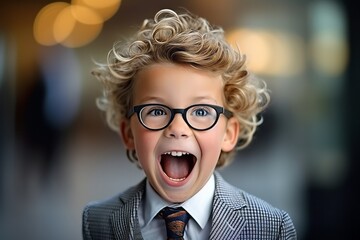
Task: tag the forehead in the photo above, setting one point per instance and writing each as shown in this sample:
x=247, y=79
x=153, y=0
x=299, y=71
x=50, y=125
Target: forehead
x=168, y=82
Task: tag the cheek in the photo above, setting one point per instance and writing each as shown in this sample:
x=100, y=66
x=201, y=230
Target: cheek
x=145, y=142
x=141, y=135
x=210, y=144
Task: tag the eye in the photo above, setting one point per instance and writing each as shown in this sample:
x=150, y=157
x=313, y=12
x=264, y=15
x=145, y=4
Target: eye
x=156, y=112
x=200, y=111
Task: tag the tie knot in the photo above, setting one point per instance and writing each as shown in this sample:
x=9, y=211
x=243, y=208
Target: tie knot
x=176, y=220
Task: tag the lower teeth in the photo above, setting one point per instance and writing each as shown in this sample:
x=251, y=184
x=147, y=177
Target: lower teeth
x=177, y=179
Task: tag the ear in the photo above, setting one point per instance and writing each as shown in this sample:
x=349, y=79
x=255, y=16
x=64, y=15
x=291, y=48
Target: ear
x=126, y=134
x=231, y=135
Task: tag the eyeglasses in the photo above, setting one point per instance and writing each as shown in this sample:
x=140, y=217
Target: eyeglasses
x=199, y=117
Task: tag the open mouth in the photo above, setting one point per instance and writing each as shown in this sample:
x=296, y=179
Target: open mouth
x=177, y=165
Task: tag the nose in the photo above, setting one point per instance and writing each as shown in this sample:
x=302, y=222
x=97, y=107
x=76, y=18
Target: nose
x=178, y=128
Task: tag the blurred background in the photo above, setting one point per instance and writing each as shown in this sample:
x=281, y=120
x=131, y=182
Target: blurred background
x=57, y=154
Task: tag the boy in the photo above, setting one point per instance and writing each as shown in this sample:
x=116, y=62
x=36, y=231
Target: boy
x=182, y=101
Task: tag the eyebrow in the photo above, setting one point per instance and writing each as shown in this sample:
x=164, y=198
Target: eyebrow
x=204, y=99
x=151, y=99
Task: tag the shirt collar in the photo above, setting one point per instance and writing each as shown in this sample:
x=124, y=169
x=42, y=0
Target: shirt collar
x=198, y=206
x=153, y=204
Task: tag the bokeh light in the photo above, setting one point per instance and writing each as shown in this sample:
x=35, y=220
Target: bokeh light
x=270, y=52
x=72, y=25
x=64, y=24
x=328, y=46
x=255, y=45
x=71, y=32
x=106, y=9
x=85, y=15
x=44, y=22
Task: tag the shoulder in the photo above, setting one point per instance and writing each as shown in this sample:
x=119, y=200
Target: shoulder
x=114, y=202
x=260, y=215
x=266, y=218
x=258, y=209
x=240, y=199
x=97, y=215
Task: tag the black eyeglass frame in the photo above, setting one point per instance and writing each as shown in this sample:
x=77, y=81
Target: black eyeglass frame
x=218, y=109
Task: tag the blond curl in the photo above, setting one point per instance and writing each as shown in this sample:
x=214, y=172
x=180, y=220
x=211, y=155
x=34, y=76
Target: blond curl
x=183, y=39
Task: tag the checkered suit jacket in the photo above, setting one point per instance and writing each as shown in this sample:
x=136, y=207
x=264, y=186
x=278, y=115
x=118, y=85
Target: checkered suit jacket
x=235, y=215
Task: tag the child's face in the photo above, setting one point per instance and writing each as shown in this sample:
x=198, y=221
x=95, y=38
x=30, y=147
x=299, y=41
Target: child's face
x=177, y=178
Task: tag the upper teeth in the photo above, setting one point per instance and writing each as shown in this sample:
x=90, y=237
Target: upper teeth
x=177, y=154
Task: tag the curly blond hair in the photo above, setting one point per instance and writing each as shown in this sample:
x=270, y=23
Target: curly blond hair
x=183, y=39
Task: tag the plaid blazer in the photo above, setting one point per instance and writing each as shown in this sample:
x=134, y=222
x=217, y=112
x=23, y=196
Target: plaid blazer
x=235, y=215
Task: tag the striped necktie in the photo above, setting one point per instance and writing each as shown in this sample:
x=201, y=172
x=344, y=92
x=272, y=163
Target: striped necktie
x=176, y=220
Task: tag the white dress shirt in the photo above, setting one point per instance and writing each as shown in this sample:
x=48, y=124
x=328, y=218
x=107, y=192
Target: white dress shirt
x=199, y=207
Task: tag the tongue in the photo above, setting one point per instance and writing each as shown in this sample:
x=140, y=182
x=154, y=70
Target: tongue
x=175, y=167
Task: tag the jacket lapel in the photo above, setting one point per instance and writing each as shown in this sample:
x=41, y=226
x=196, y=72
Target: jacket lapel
x=128, y=210
x=227, y=222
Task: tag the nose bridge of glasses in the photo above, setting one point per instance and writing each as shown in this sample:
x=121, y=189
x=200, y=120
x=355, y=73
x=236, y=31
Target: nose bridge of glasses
x=180, y=111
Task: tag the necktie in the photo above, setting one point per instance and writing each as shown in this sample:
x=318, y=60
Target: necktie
x=176, y=220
